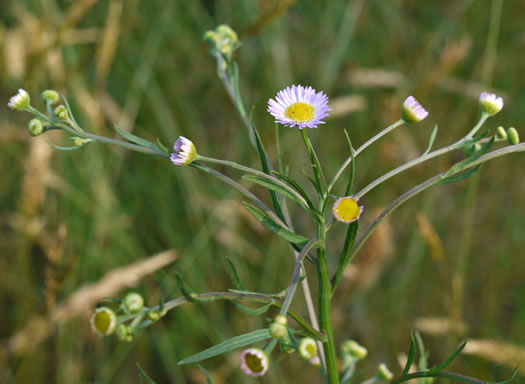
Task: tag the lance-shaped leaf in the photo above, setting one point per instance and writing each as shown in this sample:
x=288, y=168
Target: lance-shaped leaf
x=162, y=147
x=136, y=140
x=252, y=311
x=209, y=380
x=234, y=276
x=189, y=293
x=462, y=164
x=461, y=176
x=61, y=148
x=346, y=253
x=446, y=362
x=411, y=354
x=431, y=141
x=228, y=345
x=271, y=185
x=70, y=114
x=295, y=185
x=352, y=169
x=144, y=376
x=271, y=225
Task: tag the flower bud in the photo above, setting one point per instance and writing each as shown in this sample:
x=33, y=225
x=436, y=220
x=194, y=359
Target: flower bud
x=35, y=127
x=383, y=373
x=501, y=134
x=79, y=141
x=281, y=319
x=124, y=333
x=254, y=362
x=490, y=103
x=60, y=113
x=315, y=361
x=307, y=348
x=412, y=111
x=103, y=321
x=50, y=96
x=185, y=152
x=155, y=314
x=513, y=136
x=20, y=102
x=278, y=331
x=133, y=302
x=354, y=350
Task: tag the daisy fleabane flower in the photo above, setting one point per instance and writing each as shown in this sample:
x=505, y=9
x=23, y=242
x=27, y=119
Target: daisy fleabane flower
x=346, y=209
x=103, y=321
x=412, y=111
x=20, y=101
x=254, y=362
x=185, y=152
x=299, y=106
x=490, y=103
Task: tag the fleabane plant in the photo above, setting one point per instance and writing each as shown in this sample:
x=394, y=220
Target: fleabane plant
x=299, y=107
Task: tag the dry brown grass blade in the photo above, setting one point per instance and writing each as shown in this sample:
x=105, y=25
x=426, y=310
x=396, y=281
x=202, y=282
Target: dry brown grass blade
x=82, y=301
x=108, y=43
x=430, y=236
x=503, y=353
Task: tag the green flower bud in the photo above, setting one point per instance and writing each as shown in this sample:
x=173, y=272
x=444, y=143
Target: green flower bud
x=281, y=319
x=501, y=134
x=133, y=302
x=79, y=141
x=490, y=103
x=60, y=113
x=513, y=136
x=35, y=127
x=124, y=333
x=103, y=321
x=383, y=373
x=155, y=314
x=278, y=331
x=354, y=350
x=50, y=96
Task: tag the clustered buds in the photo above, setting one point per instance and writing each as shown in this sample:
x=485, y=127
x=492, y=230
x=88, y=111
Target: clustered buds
x=223, y=39
x=278, y=328
x=412, y=111
x=50, y=96
x=490, y=103
x=353, y=350
x=60, y=113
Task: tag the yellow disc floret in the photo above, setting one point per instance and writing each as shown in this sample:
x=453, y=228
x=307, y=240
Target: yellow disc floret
x=300, y=112
x=346, y=209
x=254, y=362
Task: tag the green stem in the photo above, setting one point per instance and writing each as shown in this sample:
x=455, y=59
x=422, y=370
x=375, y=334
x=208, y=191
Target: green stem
x=316, y=166
x=325, y=294
x=359, y=150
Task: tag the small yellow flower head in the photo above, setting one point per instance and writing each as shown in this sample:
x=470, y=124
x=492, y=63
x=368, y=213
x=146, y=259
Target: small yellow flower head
x=254, y=362
x=307, y=348
x=133, y=302
x=35, y=127
x=60, y=113
x=50, y=96
x=20, y=102
x=501, y=134
x=512, y=136
x=346, y=209
x=315, y=361
x=383, y=373
x=490, y=103
x=354, y=350
x=124, y=333
x=412, y=111
x=185, y=152
x=103, y=321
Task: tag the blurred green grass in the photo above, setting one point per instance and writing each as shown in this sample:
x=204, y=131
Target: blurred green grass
x=143, y=65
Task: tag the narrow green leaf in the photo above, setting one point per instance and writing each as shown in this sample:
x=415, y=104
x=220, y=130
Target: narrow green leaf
x=234, y=276
x=265, y=164
x=143, y=375
x=271, y=185
x=411, y=354
x=295, y=185
x=70, y=114
x=162, y=147
x=189, y=293
x=252, y=311
x=431, y=141
x=228, y=345
x=450, y=359
x=135, y=139
x=461, y=165
x=59, y=147
x=271, y=225
x=461, y=176
x=205, y=373
x=352, y=169
x=344, y=258
x=278, y=295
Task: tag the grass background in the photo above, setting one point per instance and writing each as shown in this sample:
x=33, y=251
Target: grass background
x=449, y=262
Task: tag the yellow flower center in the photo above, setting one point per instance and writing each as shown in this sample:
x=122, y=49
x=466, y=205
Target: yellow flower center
x=300, y=112
x=311, y=349
x=102, y=321
x=254, y=363
x=347, y=209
